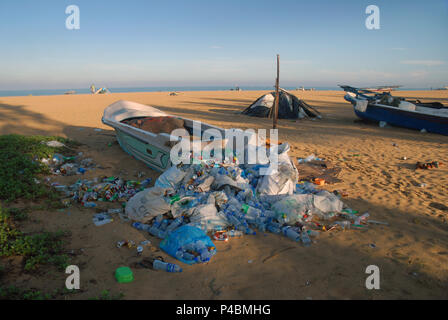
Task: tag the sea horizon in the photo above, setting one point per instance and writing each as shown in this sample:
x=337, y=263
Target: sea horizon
x=52, y=92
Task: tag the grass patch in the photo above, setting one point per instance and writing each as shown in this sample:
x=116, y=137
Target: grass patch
x=14, y=293
x=106, y=295
x=20, y=165
x=39, y=249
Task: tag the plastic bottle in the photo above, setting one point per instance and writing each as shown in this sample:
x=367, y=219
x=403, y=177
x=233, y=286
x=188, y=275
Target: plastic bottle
x=175, y=224
x=274, y=228
x=99, y=221
x=362, y=218
x=251, y=213
x=141, y=226
x=168, y=267
x=246, y=230
x=89, y=204
x=154, y=229
x=235, y=233
x=313, y=233
x=164, y=225
x=307, y=159
x=233, y=220
x=145, y=183
x=118, y=210
x=290, y=233
x=261, y=226
x=181, y=254
x=157, y=221
x=305, y=238
x=344, y=224
x=202, y=249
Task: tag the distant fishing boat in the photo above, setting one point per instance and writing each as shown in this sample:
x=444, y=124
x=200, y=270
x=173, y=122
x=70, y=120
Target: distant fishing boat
x=70, y=92
x=432, y=117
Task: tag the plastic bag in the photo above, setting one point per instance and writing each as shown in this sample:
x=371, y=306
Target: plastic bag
x=205, y=185
x=281, y=180
x=291, y=209
x=181, y=237
x=327, y=202
x=148, y=204
x=184, y=206
x=170, y=178
x=207, y=216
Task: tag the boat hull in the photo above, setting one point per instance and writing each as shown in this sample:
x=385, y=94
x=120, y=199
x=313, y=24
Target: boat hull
x=153, y=156
x=154, y=149
x=406, y=119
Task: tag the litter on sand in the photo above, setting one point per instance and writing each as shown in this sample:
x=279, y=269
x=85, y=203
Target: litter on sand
x=192, y=204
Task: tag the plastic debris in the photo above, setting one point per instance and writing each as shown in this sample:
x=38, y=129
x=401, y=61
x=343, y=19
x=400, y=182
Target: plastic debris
x=165, y=266
x=101, y=219
x=124, y=275
x=55, y=144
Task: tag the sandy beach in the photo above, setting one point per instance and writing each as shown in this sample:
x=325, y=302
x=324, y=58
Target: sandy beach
x=412, y=252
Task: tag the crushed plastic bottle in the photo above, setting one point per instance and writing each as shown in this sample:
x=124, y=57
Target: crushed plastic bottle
x=305, y=238
x=174, y=224
x=274, y=228
x=165, y=266
x=101, y=219
x=89, y=204
x=117, y=210
x=141, y=226
x=362, y=218
x=290, y=233
x=235, y=233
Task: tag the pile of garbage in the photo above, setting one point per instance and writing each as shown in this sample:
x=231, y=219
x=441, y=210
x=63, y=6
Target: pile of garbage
x=68, y=166
x=189, y=201
x=106, y=189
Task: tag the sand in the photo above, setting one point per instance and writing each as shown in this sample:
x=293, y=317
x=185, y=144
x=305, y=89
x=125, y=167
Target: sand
x=412, y=252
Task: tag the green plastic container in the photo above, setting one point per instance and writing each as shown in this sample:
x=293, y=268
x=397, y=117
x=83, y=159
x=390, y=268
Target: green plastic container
x=124, y=275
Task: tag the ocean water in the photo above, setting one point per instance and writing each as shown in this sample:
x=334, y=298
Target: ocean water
x=52, y=92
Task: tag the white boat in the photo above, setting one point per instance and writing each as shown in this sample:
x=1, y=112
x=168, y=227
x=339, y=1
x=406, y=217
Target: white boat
x=151, y=148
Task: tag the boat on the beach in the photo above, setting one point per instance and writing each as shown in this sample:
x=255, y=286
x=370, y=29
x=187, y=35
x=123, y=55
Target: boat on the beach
x=145, y=132
x=413, y=114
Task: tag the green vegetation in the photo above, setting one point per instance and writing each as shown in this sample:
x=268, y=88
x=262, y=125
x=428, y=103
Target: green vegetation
x=20, y=165
x=14, y=293
x=105, y=295
x=38, y=249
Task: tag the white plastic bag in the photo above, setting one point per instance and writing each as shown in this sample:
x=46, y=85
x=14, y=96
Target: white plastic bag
x=281, y=180
x=207, y=216
x=327, y=202
x=170, y=178
x=182, y=207
x=148, y=204
x=291, y=208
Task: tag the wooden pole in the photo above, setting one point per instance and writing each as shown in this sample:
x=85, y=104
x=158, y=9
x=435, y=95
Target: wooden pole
x=276, y=93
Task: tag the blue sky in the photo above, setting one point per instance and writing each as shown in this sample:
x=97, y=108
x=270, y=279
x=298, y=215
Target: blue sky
x=196, y=43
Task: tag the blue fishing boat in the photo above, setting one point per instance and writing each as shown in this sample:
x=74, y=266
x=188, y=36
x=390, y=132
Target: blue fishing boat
x=383, y=107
